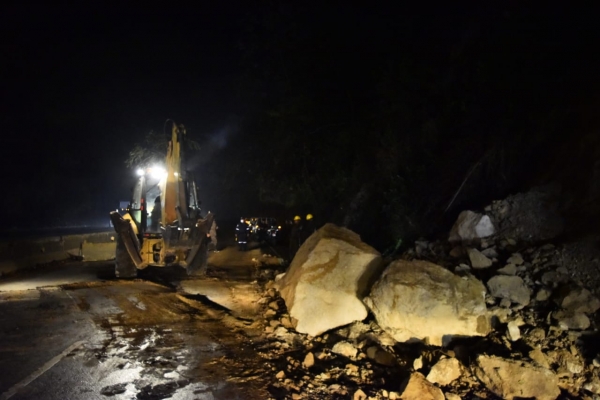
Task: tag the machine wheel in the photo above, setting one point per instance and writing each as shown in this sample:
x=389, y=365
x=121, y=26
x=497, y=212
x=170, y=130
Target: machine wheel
x=199, y=264
x=124, y=266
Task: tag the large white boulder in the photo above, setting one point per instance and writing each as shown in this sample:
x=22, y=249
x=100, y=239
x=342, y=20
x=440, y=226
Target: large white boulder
x=470, y=226
x=419, y=300
x=330, y=274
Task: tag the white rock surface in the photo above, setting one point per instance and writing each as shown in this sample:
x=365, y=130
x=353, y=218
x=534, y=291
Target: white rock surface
x=509, y=378
x=471, y=226
x=327, y=279
x=445, y=371
x=418, y=300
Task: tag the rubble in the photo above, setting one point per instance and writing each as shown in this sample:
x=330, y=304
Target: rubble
x=537, y=341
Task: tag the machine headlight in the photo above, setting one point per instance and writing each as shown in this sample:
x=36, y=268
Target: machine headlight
x=157, y=172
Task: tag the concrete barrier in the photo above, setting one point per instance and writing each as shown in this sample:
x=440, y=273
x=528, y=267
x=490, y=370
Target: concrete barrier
x=28, y=253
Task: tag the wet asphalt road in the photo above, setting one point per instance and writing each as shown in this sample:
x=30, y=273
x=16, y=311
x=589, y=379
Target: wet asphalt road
x=73, y=331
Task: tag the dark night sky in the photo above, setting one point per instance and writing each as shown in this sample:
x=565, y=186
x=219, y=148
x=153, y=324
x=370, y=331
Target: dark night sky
x=81, y=84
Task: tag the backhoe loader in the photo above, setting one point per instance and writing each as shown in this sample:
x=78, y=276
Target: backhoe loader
x=163, y=225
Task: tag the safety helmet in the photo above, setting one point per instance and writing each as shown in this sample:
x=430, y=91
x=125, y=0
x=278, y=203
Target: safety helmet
x=309, y=217
x=297, y=218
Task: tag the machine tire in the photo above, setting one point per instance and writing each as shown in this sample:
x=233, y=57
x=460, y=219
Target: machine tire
x=124, y=265
x=199, y=264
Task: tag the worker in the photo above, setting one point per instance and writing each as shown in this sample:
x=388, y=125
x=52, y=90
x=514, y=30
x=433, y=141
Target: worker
x=295, y=236
x=212, y=234
x=241, y=234
x=309, y=227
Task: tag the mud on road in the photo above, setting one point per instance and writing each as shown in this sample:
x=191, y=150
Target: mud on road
x=125, y=339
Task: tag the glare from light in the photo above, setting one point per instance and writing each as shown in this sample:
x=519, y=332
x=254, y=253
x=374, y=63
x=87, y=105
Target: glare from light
x=139, y=172
x=157, y=172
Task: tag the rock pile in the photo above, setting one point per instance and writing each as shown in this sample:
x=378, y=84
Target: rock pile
x=479, y=319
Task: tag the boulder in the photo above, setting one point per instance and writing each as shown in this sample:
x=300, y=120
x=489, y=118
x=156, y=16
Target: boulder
x=509, y=379
x=327, y=279
x=508, y=287
x=418, y=388
x=445, y=371
x=470, y=226
x=409, y=295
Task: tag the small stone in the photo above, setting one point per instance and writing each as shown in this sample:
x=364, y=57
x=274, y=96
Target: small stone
x=345, y=349
x=359, y=395
x=309, y=360
x=351, y=369
x=274, y=305
x=509, y=269
x=287, y=322
x=445, y=371
x=270, y=313
x=457, y=252
x=513, y=331
x=536, y=335
x=596, y=362
x=505, y=303
x=543, y=294
x=490, y=252
x=296, y=396
x=381, y=356
x=419, y=388
x=274, y=323
x=462, y=268
x=452, y=396
x=385, y=393
x=394, y=395
x=418, y=363
x=515, y=259
x=509, y=287
x=567, y=363
x=478, y=260
x=280, y=375
x=539, y=357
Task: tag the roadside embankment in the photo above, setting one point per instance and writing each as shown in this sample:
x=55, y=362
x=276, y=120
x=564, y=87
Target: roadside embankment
x=27, y=253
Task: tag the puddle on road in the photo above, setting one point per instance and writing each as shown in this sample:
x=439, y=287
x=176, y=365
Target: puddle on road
x=157, y=346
